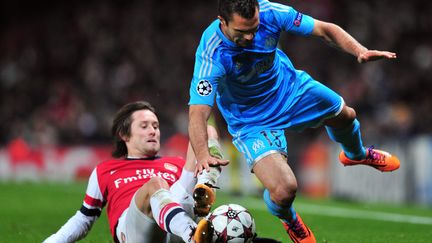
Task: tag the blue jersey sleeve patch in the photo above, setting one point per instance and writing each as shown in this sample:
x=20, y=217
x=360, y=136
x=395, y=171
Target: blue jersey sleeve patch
x=302, y=24
x=204, y=88
x=202, y=92
x=298, y=19
x=290, y=20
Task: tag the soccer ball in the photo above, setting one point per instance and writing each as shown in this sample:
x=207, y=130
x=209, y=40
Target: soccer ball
x=232, y=223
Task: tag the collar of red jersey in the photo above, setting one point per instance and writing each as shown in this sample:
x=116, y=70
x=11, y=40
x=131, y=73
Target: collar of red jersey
x=138, y=158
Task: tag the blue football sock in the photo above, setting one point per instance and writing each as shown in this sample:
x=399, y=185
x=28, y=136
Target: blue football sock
x=350, y=140
x=287, y=214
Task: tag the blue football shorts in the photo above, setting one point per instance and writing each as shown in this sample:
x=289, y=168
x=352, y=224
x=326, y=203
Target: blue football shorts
x=314, y=103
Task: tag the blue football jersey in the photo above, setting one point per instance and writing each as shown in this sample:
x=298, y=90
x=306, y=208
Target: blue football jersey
x=253, y=86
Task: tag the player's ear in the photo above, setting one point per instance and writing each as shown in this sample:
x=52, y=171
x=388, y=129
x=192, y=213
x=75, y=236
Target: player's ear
x=125, y=138
x=223, y=21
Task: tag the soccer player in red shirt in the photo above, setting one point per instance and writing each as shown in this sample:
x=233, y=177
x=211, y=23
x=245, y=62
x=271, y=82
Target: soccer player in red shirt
x=147, y=197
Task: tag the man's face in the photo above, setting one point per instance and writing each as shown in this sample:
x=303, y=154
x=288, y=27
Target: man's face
x=240, y=30
x=144, y=139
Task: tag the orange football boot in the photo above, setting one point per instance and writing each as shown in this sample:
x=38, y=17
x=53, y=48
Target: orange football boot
x=378, y=159
x=204, y=197
x=203, y=233
x=298, y=231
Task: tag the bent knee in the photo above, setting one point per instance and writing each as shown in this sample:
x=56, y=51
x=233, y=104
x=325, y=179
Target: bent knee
x=349, y=113
x=284, y=195
x=156, y=183
x=344, y=118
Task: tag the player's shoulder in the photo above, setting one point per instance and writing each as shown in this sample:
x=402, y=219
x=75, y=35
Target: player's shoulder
x=108, y=164
x=268, y=8
x=211, y=36
x=211, y=29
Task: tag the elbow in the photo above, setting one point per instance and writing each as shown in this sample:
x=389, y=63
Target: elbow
x=327, y=31
x=199, y=112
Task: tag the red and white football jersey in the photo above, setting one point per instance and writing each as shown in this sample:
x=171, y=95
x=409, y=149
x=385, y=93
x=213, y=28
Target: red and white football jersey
x=114, y=182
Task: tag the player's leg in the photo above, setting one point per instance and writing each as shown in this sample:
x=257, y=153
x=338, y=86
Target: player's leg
x=317, y=105
x=182, y=189
x=345, y=129
x=201, y=190
x=265, y=152
x=153, y=203
x=204, y=192
x=281, y=186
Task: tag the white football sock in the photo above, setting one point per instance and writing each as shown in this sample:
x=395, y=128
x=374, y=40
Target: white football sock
x=170, y=216
x=187, y=180
x=209, y=177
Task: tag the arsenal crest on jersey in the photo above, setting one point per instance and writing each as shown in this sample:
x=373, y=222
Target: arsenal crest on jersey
x=171, y=167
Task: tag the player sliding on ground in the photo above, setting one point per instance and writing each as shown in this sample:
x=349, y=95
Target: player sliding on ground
x=261, y=95
x=148, y=198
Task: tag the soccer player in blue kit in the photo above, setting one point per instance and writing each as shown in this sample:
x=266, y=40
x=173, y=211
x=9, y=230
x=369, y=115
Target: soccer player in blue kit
x=260, y=94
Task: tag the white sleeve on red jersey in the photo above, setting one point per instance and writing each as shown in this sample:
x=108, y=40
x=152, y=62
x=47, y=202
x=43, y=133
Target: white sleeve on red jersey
x=76, y=228
x=79, y=225
x=94, y=200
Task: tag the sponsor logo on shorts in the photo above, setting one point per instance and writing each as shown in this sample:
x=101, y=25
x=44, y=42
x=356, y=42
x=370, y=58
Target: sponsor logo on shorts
x=257, y=145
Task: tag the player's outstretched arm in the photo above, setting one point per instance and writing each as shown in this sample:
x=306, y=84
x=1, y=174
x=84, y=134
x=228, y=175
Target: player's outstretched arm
x=76, y=228
x=336, y=36
x=198, y=135
x=191, y=159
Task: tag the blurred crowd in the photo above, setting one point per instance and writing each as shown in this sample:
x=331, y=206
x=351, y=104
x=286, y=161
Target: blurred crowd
x=67, y=66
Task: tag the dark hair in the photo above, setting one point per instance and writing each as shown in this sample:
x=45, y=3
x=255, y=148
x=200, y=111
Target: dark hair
x=122, y=125
x=244, y=8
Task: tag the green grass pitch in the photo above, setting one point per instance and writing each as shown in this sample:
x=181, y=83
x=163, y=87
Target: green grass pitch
x=31, y=212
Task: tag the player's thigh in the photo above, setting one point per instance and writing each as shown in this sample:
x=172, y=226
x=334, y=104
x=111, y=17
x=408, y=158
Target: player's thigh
x=135, y=226
x=315, y=104
x=275, y=174
x=261, y=143
x=143, y=195
x=266, y=154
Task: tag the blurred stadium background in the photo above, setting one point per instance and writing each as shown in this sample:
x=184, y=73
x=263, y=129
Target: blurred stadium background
x=67, y=66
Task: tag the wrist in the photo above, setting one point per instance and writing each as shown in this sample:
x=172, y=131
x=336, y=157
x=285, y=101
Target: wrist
x=361, y=51
x=202, y=155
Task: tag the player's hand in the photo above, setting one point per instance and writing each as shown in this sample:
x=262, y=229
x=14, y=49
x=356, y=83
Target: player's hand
x=207, y=162
x=373, y=55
